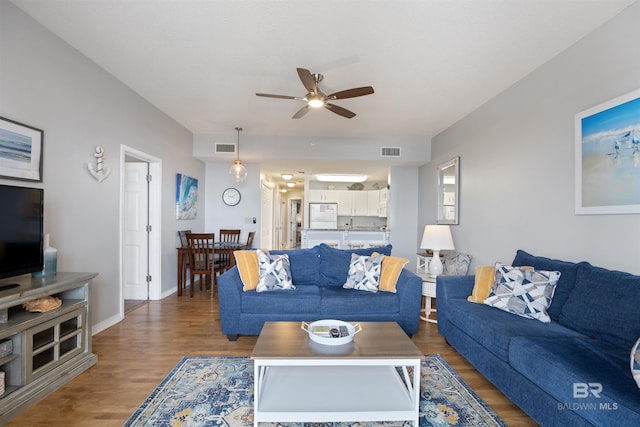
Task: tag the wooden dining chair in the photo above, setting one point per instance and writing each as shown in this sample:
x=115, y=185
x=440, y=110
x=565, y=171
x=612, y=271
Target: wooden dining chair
x=184, y=263
x=224, y=258
x=202, y=260
x=252, y=234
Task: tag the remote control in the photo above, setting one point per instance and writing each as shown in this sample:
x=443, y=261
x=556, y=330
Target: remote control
x=344, y=332
x=334, y=333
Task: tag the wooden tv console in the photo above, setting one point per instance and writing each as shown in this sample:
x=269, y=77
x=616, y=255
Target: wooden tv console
x=49, y=349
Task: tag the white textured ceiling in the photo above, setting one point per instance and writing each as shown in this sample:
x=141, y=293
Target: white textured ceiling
x=430, y=62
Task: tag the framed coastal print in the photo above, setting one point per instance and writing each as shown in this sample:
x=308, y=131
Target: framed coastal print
x=607, y=157
x=20, y=151
x=186, y=197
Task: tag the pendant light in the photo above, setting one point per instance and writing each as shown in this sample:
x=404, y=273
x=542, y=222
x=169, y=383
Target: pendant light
x=238, y=172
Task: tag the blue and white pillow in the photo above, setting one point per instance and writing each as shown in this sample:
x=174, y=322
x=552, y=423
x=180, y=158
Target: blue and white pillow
x=527, y=293
x=364, y=272
x=274, y=272
x=635, y=362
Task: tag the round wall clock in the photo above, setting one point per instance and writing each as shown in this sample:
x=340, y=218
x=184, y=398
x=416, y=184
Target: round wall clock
x=231, y=196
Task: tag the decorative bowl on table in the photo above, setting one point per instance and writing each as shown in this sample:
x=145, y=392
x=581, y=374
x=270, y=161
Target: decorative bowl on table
x=331, y=331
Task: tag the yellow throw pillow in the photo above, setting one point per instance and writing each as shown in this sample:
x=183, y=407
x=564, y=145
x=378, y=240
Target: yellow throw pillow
x=391, y=269
x=247, y=262
x=485, y=276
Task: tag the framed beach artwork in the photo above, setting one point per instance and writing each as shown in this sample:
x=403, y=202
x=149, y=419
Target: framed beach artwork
x=186, y=197
x=607, y=157
x=20, y=151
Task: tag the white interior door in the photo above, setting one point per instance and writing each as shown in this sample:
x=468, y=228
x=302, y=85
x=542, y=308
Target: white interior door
x=136, y=236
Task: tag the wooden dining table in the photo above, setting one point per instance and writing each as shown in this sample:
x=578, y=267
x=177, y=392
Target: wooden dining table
x=219, y=247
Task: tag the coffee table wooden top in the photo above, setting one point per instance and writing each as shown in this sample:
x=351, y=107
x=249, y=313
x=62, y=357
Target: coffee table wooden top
x=286, y=340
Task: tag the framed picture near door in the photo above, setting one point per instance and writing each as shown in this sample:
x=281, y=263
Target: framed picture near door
x=607, y=157
x=20, y=151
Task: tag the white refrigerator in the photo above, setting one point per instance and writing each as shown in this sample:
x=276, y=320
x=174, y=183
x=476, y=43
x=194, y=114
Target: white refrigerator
x=323, y=215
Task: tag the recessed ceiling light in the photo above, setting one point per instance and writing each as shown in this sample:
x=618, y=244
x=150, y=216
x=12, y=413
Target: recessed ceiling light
x=341, y=178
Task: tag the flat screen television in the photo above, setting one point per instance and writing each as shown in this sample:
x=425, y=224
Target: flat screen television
x=21, y=230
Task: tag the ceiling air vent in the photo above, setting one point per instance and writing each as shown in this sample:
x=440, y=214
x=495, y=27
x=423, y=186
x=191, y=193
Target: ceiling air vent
x=225, y=148
x=389, y=151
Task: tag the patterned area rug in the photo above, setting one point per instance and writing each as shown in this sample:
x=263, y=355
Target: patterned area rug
x=218, y=391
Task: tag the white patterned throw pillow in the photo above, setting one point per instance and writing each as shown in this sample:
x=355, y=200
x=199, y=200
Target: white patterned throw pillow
x=635, y=362
x=527, y=293
x=274, y=272
x=364, y=272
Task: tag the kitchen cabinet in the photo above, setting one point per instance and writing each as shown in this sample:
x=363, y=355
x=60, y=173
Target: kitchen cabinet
x=323, y=196
x=352, y=203
x=373, y=203
x=383, y=203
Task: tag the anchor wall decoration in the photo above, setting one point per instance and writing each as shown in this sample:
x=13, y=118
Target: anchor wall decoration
x=99, y=173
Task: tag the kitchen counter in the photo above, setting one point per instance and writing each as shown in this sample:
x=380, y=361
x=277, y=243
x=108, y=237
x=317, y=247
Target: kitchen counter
x=345, y=238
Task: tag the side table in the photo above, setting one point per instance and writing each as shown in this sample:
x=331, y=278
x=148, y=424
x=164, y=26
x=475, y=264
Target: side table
x=428, y=287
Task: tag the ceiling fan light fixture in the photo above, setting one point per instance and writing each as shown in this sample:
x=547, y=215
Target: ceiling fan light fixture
x=237, y=171
x=341, y=178
x=315, y=102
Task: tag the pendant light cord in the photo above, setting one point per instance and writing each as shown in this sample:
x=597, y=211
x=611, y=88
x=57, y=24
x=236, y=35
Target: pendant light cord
x=238, y=153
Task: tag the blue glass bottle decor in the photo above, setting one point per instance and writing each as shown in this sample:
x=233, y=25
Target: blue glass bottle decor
x=50, y=266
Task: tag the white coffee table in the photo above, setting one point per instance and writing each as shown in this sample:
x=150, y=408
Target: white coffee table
x=374, y=378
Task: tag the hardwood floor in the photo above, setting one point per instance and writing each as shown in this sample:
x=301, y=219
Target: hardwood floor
x=136, y=354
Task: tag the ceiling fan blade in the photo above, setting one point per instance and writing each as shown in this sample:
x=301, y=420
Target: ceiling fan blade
x=268, y=95
x=307, y=79
x=340, y=111
x=301, y=112
x=351, y=93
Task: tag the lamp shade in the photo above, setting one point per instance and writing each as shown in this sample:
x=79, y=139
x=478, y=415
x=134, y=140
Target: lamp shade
x=437, y=237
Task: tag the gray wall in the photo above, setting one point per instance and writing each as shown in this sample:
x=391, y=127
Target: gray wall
x=517, y=159
x=49, y=85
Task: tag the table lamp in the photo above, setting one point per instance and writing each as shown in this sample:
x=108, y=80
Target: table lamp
x=436, y=238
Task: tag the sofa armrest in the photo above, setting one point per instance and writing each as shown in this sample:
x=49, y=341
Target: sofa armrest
x=229, y=296
x=447, y=289
x=409, y=290
x=454, y=286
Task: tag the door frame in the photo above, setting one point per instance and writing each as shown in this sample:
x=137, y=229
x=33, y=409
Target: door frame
x=155, y=241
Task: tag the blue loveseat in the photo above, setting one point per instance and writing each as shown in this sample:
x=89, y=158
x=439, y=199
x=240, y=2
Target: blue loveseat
x=318, y=274
x=574, y=371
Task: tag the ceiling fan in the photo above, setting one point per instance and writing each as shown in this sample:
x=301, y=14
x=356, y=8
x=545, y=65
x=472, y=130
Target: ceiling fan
x=315, y=98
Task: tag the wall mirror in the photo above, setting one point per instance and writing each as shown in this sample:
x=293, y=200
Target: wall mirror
x=448, y=191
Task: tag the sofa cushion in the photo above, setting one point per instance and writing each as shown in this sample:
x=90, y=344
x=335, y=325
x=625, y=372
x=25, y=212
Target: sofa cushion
x=568, y=271
x=275, y=273
x=305, y=265
x=604, y=304
x=247, y=262
x=569, y=369
x=391, y=268
x=483, y=282
x=302, y=300
x=494, y=329
x=364, y=273
x=522, y=291
x=334, y=263
x=337, y=302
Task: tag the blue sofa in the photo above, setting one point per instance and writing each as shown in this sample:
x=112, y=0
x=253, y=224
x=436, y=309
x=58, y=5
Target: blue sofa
x=318, y=274
x=574, y=371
